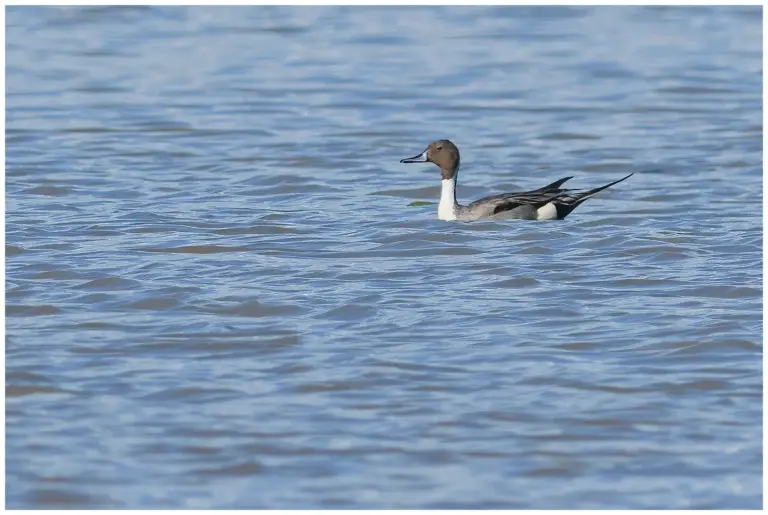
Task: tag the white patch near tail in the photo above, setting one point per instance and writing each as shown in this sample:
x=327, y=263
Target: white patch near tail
x=547, y=212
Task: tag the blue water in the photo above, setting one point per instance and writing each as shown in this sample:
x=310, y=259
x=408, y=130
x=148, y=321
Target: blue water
x=223, y=290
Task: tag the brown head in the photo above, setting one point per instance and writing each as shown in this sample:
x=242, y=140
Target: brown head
x=444, y=154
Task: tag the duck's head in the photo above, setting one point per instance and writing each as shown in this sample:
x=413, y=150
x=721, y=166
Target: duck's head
x=444, y=154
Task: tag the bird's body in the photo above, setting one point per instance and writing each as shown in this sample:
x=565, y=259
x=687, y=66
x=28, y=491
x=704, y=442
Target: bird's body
x=550, y=202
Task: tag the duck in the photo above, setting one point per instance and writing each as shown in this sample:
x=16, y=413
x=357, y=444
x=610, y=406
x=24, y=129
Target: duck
x=550, y=202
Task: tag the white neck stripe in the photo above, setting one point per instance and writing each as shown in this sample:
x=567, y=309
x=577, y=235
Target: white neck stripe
x=446, y=210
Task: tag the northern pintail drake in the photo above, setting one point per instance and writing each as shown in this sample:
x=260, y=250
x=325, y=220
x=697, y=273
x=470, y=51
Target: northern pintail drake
x=550, y=202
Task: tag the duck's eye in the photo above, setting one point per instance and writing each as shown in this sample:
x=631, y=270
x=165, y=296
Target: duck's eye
x=439, y=147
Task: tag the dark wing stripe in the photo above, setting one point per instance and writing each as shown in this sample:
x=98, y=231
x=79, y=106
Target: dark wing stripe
x=534, y=198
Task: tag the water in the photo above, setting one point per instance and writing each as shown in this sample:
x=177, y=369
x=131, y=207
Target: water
x=219, y=295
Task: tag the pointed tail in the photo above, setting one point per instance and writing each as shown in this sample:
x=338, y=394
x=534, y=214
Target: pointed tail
x=564, y=209
x=581, y=197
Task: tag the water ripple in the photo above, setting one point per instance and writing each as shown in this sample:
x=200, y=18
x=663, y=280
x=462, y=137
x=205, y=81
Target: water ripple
x=224, y=291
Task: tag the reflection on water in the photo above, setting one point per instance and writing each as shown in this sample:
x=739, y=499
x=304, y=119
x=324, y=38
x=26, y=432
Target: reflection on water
x=223, y=290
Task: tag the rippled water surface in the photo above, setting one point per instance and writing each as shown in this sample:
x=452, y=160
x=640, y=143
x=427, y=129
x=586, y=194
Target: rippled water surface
x=224, y=290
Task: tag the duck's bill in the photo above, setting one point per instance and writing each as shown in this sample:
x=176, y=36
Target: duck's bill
x=421, y=158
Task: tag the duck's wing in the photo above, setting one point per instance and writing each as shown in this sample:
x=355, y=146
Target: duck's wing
x=527, y=204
